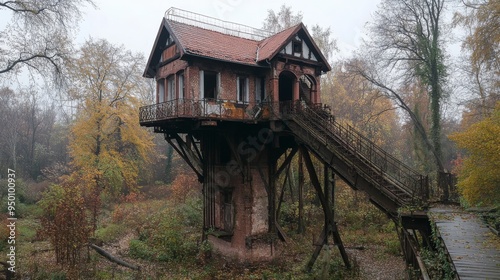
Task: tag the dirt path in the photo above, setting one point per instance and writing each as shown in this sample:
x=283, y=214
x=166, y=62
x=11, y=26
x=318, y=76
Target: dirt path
x=375, y=264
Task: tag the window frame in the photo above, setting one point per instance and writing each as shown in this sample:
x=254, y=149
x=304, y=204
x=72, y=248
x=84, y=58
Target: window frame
x=260, y=89
x=160, y=85
x=170, y=80
x=297, y=47
x=202, y=84
x=242, y=97
x=181, y=85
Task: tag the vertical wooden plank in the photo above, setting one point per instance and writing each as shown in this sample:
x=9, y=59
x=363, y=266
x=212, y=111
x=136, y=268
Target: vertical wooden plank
x=323, y=199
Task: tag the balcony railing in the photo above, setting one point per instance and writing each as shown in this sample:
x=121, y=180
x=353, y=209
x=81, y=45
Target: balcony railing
x=209, y=109
x=318, y=123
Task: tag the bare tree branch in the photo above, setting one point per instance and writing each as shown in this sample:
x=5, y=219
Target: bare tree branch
x=36, y=38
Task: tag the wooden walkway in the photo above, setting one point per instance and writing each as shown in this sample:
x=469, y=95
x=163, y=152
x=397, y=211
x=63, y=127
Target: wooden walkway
x=474, y=249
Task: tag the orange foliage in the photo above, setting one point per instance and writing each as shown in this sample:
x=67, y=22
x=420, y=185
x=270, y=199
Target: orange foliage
x=183, y=186
x=355, y=101
x=66, y=222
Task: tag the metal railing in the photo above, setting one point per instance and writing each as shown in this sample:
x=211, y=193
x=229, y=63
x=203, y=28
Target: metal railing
x=214, y=24
x=314, y=119
x=320, y=124
x=204, y=108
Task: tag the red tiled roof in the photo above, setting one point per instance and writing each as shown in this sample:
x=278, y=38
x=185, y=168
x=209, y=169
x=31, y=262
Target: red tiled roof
x=272, y=45
x=202, y=42
x=198, y=41
x=226, y=47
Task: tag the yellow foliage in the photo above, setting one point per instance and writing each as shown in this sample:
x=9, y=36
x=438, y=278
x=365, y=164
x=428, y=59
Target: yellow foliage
x=479, y=176
x=107, y=144
x=483, y=19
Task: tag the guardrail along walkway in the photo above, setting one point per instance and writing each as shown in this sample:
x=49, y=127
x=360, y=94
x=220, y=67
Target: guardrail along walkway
x=473, y=248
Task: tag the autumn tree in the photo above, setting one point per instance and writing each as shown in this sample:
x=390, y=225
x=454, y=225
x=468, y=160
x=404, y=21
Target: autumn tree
x=480, y=19
x=356, y=101
x=406, y=48
x=107, y=145
x=37, y=36
x=479, y=179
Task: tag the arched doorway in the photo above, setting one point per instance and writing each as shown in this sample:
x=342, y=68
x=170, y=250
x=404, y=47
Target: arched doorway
x=286, y=82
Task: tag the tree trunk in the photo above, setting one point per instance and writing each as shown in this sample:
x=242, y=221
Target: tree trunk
x=112, y=258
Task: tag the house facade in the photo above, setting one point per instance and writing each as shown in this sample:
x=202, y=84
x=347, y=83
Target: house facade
x=220, y=88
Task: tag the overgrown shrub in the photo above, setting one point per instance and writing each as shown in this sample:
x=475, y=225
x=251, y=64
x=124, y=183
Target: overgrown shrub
x=170, y=234
x=183, y=187
x=139, y=249
x=66, y=222
x=110, y=232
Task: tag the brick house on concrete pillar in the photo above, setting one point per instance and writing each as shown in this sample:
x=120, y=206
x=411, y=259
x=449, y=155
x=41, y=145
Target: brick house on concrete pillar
x=221, y=87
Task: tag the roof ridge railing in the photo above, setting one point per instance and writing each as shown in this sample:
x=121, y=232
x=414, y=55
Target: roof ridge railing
x=218, y=25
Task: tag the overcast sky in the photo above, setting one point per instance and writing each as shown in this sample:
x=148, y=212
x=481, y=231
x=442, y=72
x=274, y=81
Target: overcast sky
x=134, y=23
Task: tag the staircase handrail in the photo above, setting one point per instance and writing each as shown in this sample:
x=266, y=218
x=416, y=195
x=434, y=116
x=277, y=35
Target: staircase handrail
x=399, y=173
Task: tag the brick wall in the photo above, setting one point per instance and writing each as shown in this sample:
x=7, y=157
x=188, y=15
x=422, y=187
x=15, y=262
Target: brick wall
x=228, y=77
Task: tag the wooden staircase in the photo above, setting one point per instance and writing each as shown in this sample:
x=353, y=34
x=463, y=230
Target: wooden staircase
x=389, y=183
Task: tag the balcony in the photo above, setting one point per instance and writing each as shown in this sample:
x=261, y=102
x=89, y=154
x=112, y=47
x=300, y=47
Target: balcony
x=208, y=109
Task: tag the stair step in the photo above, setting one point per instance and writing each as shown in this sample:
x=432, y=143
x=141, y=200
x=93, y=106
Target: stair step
x=315, y=125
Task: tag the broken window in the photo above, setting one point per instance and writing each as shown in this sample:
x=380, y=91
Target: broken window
x=242, y=87
x=209, y=81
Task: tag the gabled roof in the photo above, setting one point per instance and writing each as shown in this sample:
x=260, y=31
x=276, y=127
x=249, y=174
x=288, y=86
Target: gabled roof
x=272, y=45
x=201, y=42
x=211, y=44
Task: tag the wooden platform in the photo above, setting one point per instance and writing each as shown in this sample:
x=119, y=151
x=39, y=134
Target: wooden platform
x=474, y=249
